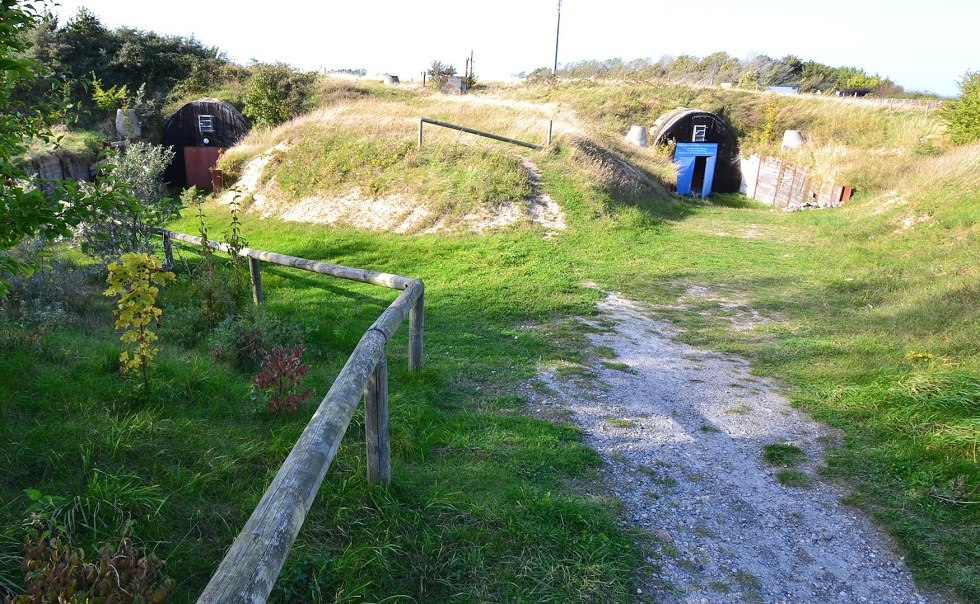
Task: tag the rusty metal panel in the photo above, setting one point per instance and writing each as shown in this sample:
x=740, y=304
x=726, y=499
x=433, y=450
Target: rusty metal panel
x=785, y=185
x=198, y=162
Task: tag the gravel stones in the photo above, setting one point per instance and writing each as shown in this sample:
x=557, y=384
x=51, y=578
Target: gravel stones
x=682, y=430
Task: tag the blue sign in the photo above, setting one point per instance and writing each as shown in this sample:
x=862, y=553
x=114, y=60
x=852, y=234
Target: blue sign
x=685, y=156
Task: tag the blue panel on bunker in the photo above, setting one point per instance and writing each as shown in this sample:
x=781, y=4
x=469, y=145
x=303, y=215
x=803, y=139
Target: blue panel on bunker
x=685, y=174
x=684, y=157
x=696, y=150
x=709, y=176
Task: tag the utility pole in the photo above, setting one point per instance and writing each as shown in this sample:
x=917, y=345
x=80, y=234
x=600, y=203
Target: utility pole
x=554, y=72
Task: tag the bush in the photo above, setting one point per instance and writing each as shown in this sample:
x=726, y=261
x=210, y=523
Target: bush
x=53, y=287
x=277, y=93
x=962, y=116
x=139, y=167
x=241, y=340
x=222, y=286
x=57, y=572
x=282, y=377
x=136, y=280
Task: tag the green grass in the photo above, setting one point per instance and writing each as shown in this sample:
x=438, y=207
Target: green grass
x=779, y=454
x=604, y=352
x=621, y=422
x=443, y=177
x=720, y=587
x=482, y=502
x=617, y=366
x=873, y=330
x=793, y=478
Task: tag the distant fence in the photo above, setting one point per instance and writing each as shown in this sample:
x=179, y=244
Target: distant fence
x=926, y=104
x=496, y=137
x=249, y=570
x=782, y=184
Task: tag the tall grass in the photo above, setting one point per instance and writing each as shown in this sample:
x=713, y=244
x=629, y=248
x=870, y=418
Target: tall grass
x=863, y=146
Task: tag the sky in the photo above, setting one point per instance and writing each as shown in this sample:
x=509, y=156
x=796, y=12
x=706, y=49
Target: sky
x=925, y=46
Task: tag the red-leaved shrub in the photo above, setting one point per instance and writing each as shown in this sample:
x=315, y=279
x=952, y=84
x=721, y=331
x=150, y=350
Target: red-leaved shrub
x=282, y=377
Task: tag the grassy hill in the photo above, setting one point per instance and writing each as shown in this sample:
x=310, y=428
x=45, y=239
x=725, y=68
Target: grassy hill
x=872, y=326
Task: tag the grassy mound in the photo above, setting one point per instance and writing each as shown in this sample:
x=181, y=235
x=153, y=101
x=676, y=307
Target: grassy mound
x=864, y=146
x=364, y=142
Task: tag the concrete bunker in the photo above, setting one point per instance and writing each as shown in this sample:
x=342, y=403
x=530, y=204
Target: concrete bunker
x=200, y=132
x=683, y=127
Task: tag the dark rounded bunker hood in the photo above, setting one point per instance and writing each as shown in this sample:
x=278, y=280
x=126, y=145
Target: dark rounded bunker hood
x=211, y=120
x=679, y=126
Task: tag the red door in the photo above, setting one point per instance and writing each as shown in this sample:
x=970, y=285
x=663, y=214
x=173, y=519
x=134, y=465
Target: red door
x=198, y=162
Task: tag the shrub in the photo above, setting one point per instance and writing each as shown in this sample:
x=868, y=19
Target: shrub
x=962, y=116
x=135, y=279
x=277, y=93
x=222, y=286
x=26, y=210
x=57, y=572
x=282, y=378
x=241, y=340
x=139, y=167
x=53, y=287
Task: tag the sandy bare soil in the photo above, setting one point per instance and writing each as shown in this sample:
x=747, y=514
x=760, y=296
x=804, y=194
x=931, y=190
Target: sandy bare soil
x=392, y=213
x=682, y=430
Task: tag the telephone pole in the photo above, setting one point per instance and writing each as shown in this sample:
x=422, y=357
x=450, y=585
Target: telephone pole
x=554, y=71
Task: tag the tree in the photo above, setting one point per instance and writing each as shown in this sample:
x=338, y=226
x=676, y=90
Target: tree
x=784, y=72
x=438, y=70
x=25, y=211
x=962, y=115
x=84, y=48
x=277, y=93
x=139, y=168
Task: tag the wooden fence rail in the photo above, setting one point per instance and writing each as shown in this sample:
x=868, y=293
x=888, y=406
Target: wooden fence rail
x=496, y=137
x=249, y=570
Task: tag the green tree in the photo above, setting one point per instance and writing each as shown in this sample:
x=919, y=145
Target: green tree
x=25, y=211
x=438, y=69
x=784, y=72
x=962, y=115
x=83, y=48
x=139, y=167
x=277, y=93
x=816, y=77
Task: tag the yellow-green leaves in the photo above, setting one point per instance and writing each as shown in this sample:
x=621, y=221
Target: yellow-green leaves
x=136, y=280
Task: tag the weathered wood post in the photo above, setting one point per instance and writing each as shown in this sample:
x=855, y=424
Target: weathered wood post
x=168, y=251
x=255, y=271
x=376, y=424
x=421, y=121
x=550, y=124
x=416, y=331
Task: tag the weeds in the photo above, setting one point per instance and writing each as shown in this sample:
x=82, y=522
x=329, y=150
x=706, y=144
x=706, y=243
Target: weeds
x=56, y=571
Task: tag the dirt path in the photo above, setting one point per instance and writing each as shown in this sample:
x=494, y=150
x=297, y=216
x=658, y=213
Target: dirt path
x=682, y=430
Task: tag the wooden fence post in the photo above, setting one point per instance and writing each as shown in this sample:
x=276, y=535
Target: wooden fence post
x=421, y=121
x=416, y=331
x=376, y=424
x=255, y=270
x=550, y=124
x=168, y=252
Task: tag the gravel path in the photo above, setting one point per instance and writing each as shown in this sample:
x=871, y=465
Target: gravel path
x=682, y=431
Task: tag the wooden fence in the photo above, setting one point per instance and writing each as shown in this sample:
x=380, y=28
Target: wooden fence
x=782, y=184
x=249, y=570
x=496, y=137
